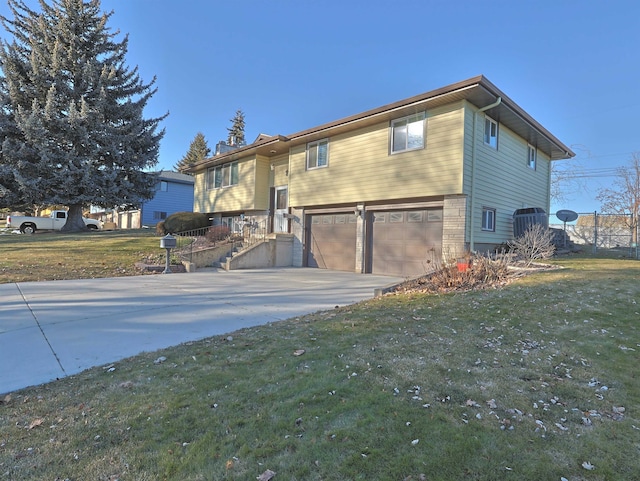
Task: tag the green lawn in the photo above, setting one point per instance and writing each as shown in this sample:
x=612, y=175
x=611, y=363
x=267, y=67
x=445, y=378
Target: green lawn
x=534, y=381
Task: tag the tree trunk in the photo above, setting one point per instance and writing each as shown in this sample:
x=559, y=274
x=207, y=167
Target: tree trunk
x=74, y=220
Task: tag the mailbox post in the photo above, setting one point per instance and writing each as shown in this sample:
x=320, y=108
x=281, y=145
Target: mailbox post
x=168, y=242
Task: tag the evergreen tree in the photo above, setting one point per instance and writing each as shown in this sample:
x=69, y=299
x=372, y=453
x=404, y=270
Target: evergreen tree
x=71, y=124
x=198, y=150
x=236, y=132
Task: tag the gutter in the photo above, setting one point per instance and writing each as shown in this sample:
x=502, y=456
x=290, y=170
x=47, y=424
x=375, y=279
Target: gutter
x=473, y=172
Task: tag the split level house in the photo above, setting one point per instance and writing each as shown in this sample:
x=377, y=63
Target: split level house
x=390, y=190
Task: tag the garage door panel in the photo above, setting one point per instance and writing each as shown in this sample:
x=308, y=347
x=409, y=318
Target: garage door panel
x=332, y=241
x=404, y=246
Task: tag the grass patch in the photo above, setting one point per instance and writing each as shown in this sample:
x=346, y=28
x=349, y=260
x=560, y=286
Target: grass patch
x=94, y=254
x=526, y=382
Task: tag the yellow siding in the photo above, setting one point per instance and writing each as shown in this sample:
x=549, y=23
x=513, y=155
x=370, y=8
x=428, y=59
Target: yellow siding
x=280, y=170
x=234, y=198
x=198, y=191
x=503, y=180
x=360, y=168
x=263, y=173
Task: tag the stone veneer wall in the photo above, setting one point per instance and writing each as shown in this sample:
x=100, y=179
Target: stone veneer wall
x=297, y=229
x=454, y=226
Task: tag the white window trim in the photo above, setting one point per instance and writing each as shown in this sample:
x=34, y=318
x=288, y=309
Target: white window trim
x=488, y=140
x=414, y=118
x=532, y=157
x=211, y=183
x=316, y=145
x=492, y=227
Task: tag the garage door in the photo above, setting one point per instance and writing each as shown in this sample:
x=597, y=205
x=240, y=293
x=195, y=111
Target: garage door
x=403, y=241
x=332, y=242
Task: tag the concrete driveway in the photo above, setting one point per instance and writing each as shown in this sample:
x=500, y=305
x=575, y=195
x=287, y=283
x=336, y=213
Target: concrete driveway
x=49, y=330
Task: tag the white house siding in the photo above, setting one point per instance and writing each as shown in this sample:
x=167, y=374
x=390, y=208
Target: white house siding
x=360, y=168
x=503, y=181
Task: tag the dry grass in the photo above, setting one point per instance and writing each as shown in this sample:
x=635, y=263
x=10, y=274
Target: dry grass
x=54, y=256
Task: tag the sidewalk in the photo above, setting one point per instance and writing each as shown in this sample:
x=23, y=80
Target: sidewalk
x=49, y=330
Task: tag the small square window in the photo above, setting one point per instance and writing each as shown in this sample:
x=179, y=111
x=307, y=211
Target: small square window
x=531, y=157
x=488, y=219
x=318, y=154
x=491, y=132
x=407, y=133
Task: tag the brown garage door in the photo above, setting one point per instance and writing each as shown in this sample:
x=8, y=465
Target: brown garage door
x=403, y=241
x=332, y=242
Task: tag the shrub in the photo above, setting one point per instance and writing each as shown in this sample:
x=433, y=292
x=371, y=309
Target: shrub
x=160, y=228
x=217, y=233
x=536, y=243
x=185, y=221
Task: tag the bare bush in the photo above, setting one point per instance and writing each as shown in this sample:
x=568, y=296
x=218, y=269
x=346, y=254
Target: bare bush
x=484, y=272
x=536, y=243
x=217, y=233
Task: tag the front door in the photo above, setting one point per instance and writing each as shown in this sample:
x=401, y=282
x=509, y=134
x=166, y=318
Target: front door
x=280, y=222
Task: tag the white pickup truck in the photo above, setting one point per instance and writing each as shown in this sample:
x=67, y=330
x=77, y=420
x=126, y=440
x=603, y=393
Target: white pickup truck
x=57, y=219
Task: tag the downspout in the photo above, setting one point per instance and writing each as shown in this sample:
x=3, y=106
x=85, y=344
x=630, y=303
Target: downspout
x=473, y=173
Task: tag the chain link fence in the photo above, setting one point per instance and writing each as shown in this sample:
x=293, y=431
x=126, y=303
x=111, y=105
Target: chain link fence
x=600, y=232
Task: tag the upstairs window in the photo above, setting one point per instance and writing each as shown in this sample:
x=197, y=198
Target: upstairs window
x=163, y=186
x=491, y=132
x=318, y=154
x=407, y=133
x=531, y=157
x=223, y=175
x=488, y=219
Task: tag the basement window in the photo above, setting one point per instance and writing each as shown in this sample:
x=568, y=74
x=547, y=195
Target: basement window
x=488, y=219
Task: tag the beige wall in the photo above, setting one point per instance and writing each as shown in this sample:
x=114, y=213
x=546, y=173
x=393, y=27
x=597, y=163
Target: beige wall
x=280, y=172
x=234, y=198
x=360, y=168
x=503, y=180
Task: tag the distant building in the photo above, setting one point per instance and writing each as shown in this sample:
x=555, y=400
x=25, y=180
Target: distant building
x=174, y=193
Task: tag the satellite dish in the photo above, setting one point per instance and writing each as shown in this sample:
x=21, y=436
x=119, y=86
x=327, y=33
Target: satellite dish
x=566, y=215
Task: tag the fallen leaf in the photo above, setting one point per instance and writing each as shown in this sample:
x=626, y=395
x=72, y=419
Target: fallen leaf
x=36, y=423
x=229, y=464
x=266, y=476
x=298, y=352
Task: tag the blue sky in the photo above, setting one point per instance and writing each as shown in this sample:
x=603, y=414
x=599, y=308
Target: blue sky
x=293, y=64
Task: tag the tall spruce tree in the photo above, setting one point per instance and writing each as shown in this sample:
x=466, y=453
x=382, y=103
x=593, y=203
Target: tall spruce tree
x=72, y=130
x=198, y=150
x=236, y=132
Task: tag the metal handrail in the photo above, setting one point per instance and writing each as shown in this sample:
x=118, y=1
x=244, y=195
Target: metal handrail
x=251, y=232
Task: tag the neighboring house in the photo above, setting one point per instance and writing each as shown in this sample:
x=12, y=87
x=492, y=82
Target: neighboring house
x=388, y=190
x=174, y=193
